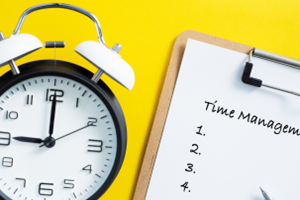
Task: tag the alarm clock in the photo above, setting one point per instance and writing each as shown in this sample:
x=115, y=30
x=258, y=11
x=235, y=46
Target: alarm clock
x=62, y=130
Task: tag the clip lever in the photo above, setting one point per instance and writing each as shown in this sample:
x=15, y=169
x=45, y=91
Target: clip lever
x=246, y=77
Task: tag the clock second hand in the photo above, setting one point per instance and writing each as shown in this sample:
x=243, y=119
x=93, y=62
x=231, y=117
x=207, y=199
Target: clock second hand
x=68, y=134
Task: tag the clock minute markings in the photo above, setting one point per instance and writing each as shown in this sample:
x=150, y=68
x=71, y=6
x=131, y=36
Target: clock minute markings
x=24, y=87
x=98, y=175
x=16, y=191
x=103, y=117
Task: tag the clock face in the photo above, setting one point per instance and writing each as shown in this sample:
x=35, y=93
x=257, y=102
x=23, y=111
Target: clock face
x=79, y=156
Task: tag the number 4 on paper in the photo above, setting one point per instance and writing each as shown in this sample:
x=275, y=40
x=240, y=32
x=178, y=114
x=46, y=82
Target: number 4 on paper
x=185, y=187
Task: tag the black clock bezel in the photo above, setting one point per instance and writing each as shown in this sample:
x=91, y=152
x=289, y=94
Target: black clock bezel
x=83, y=76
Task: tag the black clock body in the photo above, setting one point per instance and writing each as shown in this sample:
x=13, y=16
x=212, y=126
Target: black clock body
x=83, y=76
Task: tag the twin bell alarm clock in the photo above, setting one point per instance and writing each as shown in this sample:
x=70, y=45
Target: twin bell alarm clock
x=62, y=131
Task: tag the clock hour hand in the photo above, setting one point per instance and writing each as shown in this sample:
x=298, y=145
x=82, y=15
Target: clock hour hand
x=29, y=140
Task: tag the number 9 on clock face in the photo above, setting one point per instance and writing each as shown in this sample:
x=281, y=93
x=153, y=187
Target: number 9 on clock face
x=61, y=136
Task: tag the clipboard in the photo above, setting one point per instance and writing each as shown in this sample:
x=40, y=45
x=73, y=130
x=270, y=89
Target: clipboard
x=169, y=85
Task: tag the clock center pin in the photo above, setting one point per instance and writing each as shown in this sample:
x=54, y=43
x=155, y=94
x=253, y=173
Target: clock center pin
x=49, y=142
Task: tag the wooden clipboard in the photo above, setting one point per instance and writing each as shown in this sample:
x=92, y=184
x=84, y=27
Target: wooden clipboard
x=165, y=99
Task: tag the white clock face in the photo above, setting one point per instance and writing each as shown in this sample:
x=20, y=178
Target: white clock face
x=78, y=164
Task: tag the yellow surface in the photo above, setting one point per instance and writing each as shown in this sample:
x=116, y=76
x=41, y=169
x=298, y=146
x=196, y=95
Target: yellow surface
x=147, y=31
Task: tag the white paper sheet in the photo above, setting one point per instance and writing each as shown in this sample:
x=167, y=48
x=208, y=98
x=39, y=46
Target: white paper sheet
x=235, y=156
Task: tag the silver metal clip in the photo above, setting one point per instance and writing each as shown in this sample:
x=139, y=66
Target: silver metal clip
x=246, y=77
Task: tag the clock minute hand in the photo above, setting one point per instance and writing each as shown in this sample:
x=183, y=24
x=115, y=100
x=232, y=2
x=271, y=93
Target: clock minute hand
x=52, y=117
x=69, y=134
x=29, y=139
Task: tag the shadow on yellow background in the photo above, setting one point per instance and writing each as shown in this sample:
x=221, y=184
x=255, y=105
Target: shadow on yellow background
x=147, y=31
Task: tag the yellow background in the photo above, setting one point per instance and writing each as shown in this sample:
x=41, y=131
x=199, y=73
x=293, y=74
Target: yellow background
x=147, y=30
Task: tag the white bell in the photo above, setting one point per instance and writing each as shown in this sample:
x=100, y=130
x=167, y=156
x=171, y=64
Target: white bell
x=18, y=46
x=109, y=61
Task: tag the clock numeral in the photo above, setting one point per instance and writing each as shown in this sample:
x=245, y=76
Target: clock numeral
x=92, y=121
x=50, y=93
x=12, y=115
x=45, y=191
x=29, y=100
x=22, y=179
x=96, y=148
x=5, y=138
x=7, y=162
x=71, y=185
x=77, y=102
x=88, y=168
